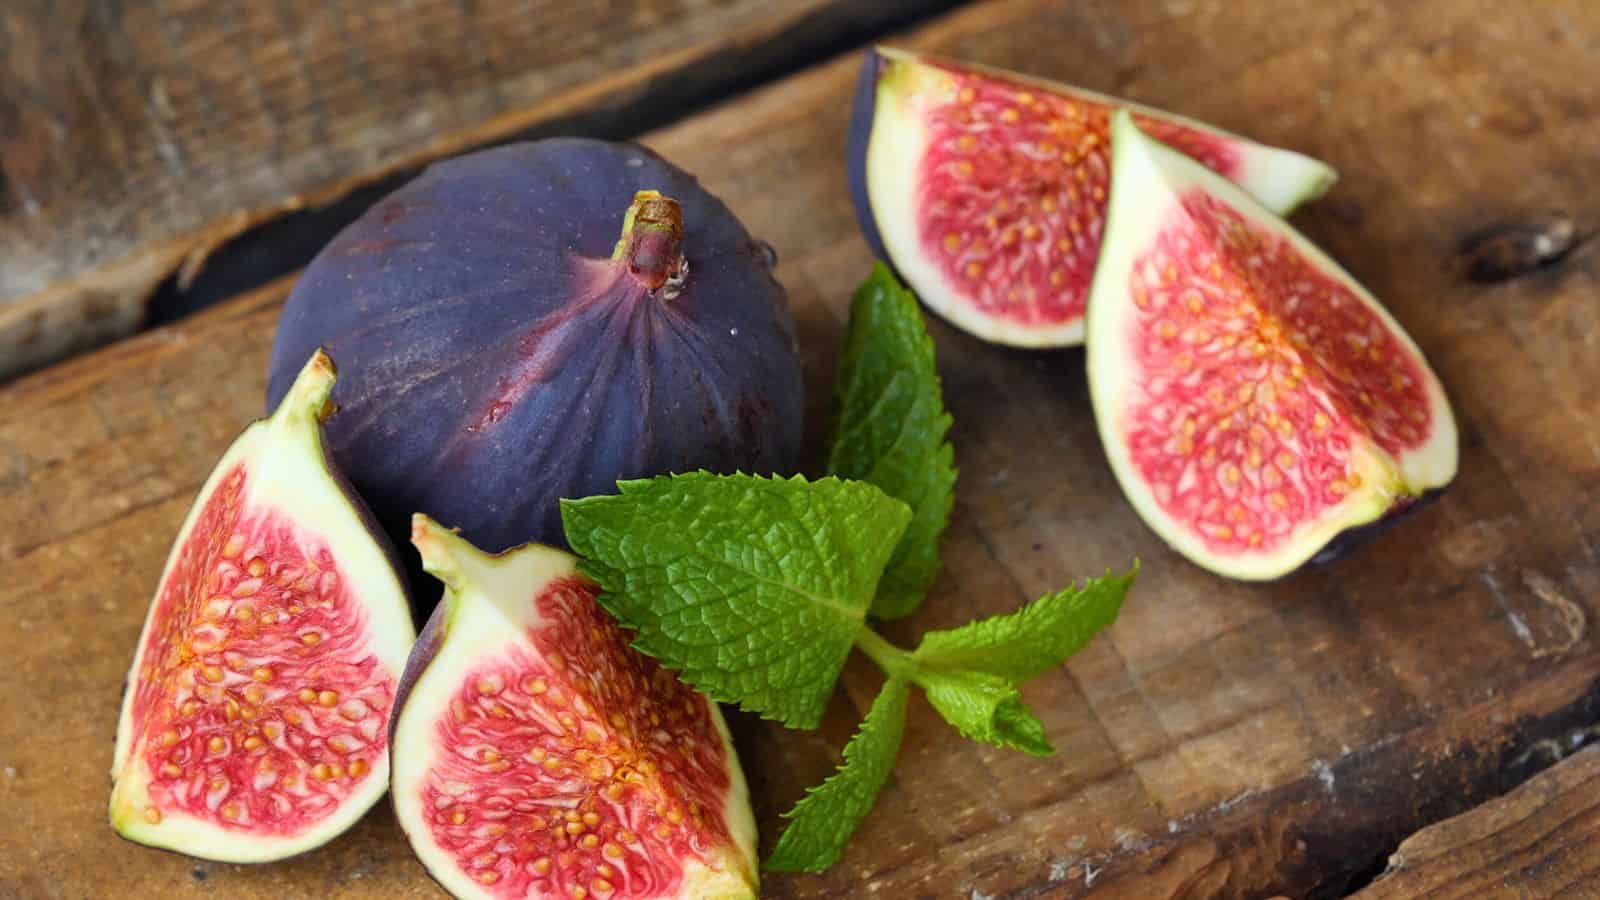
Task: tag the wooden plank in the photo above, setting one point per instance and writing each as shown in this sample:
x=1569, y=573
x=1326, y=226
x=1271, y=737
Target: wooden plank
x=1222, y=739
x=136, y=137
x=1541, y=840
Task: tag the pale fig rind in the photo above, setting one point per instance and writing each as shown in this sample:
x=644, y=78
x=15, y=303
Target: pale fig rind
x=996, y=228
x=649, y=802
x=1258, y=406
x=277, y=577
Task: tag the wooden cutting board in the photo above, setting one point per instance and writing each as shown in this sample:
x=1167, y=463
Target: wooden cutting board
x=1222, y=739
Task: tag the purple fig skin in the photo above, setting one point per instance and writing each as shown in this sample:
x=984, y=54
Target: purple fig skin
x=423, y=651
x=862, y=110
x=1351, y=539
x=493, y=359
x=369, y=519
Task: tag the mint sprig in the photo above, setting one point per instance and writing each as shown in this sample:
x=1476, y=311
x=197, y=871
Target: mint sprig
x=980, y=697
x=889, y=430
x=755, y=589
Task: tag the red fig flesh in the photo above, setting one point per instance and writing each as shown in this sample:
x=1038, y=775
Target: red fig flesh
x=537, y=755
x=1254, y=400
x=987, y=189
x=254, y=723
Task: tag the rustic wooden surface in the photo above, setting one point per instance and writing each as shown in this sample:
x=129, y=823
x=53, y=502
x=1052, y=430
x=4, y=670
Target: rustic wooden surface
x=1222, y=739
x=137, y=136
x=1540, y=840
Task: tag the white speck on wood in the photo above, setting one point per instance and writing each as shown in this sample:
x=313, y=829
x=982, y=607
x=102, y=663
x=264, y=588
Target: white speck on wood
x=1235, y=800
x=1521, y=628
x=1324, y=773
x=1572, y=616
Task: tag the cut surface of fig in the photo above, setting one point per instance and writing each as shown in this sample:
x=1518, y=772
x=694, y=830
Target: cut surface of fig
x=537, y=755
x=254, y=723
x=1255, y=401
x=987, y=189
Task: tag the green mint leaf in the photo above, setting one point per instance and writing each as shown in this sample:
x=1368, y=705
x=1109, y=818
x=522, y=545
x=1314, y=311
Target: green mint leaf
x=752, y=589
x=890, y=431
x=822, y=822
x=1018, y=727
x=985, y=708
x=1040, y=636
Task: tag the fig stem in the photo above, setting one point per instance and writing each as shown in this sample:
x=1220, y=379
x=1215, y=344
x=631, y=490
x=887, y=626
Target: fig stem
x=652, y=243
x=443, y=551
x=308, y=396
x=891, y=659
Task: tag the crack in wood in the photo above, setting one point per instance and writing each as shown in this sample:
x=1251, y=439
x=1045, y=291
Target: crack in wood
x=1508, y=251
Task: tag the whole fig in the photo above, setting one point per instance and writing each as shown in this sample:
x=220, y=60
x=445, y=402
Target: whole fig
x=502, y=348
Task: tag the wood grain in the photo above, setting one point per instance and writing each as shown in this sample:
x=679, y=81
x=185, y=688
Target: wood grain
x=1223, y=739
x=1540, y=840
x=137, y=136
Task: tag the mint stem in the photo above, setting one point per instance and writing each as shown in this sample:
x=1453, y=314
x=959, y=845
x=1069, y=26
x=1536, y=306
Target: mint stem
x=894, y=662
